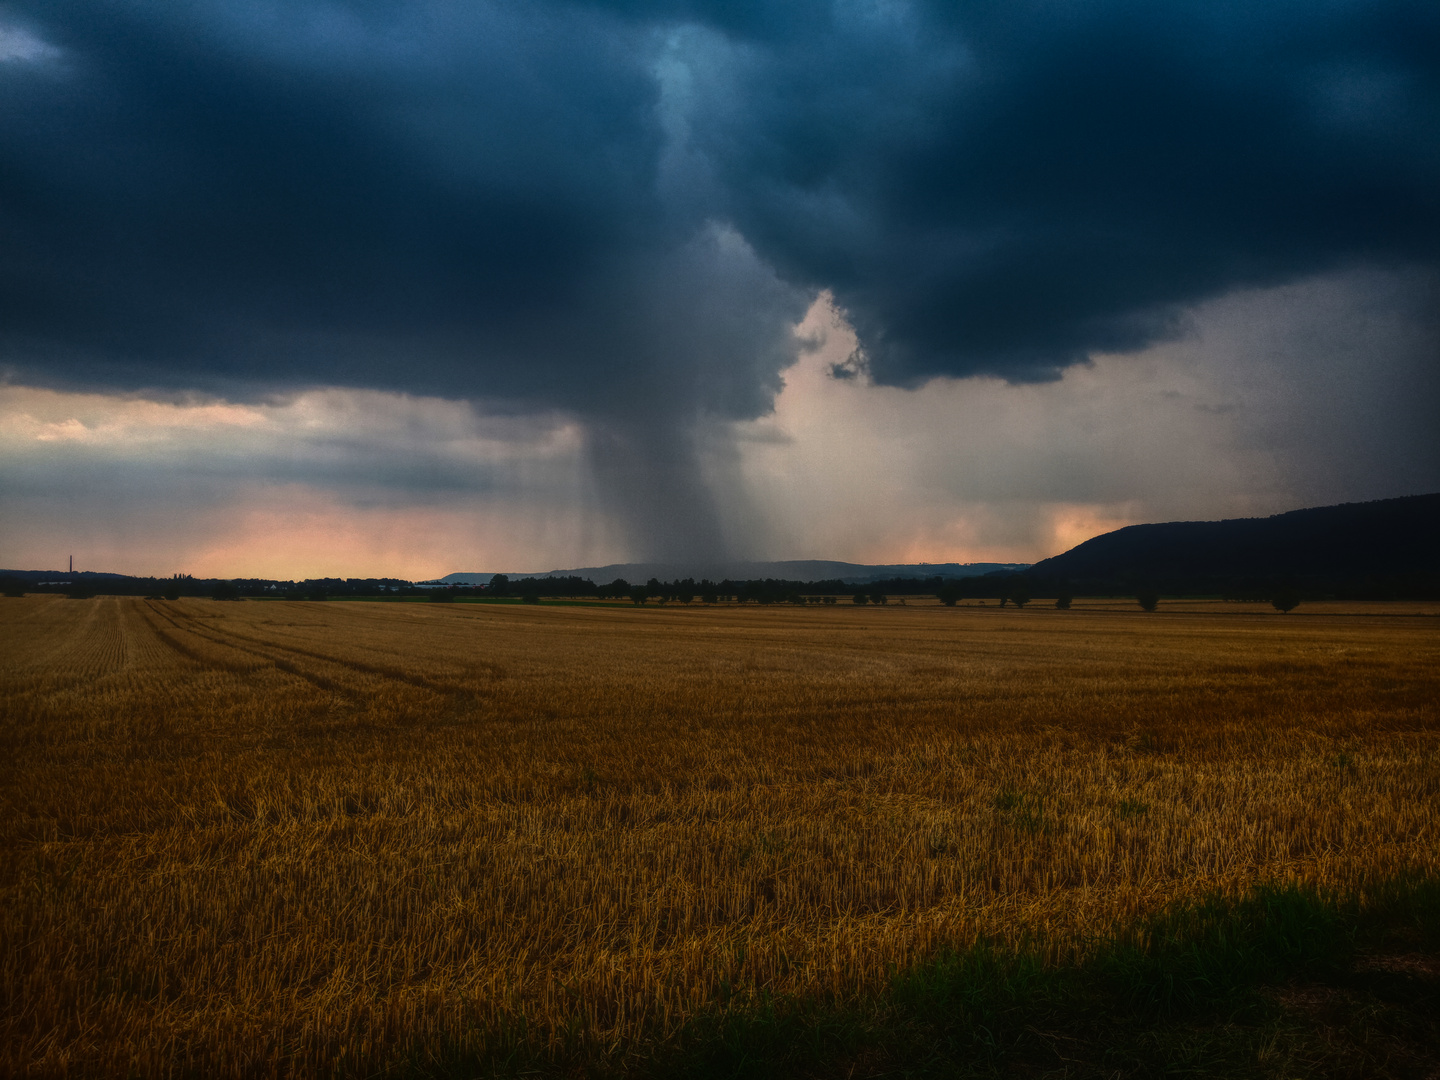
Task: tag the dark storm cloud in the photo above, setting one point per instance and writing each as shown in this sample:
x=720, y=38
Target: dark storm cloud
x=620, y=209
x=473, y=198
x=1007, y=187
x=445, y=199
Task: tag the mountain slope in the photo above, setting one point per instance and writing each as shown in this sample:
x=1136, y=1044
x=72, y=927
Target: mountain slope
x=794, y=570
x=1387, y=539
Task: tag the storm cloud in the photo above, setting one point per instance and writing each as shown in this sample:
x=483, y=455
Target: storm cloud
x=1008, y=188
x=619, y=211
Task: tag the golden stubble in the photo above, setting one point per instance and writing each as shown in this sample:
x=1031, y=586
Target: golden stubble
x=273, y=838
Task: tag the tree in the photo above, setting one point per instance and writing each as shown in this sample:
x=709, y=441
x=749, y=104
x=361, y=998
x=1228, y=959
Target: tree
x=499, y=585
x=639, y=594
x=879, y=597
x=1148, y=599
x=1285, y=601
x=1019, y=592
x=225, y=590
x=1062, y=602
x=947, y=595
x=441, y=596
x=861, y=598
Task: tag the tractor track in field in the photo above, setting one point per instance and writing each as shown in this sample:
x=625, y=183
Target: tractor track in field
x=174, y=643
x=279, y=655
x=280, y=662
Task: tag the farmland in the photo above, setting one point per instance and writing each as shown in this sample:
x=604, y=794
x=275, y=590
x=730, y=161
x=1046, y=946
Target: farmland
x=266, y=838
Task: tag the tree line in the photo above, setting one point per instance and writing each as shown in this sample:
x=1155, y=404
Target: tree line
x=1006, y=588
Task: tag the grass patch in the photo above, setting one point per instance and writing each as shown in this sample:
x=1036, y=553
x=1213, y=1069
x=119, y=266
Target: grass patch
x=1284, y=981
x=1131, y=808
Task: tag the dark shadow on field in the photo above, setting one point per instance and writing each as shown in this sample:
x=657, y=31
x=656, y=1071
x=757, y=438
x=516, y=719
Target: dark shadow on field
x=1282, y=982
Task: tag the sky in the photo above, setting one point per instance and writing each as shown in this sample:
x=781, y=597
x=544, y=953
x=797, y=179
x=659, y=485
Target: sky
x=379, y=288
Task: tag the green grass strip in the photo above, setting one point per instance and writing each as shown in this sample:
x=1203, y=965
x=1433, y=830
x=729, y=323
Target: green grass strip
x=1282, y=982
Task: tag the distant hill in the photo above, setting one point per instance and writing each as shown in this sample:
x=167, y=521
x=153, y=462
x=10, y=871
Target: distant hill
x=1339, y=548
x=87, y=577
x=794, y=570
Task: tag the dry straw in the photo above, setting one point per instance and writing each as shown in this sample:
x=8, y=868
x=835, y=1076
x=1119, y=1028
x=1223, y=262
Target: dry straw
x=272, y=838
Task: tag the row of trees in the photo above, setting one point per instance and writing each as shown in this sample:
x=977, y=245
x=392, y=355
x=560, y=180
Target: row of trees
x=1017, y=589
x=178, y=585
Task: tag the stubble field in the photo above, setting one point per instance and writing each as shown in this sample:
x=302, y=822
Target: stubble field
x=274, y=838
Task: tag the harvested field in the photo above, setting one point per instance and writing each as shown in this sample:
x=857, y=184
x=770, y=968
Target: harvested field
x=267, y=838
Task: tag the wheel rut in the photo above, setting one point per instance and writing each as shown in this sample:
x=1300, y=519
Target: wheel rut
x=281, y=656
x=288, y=666
x=150, y=614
